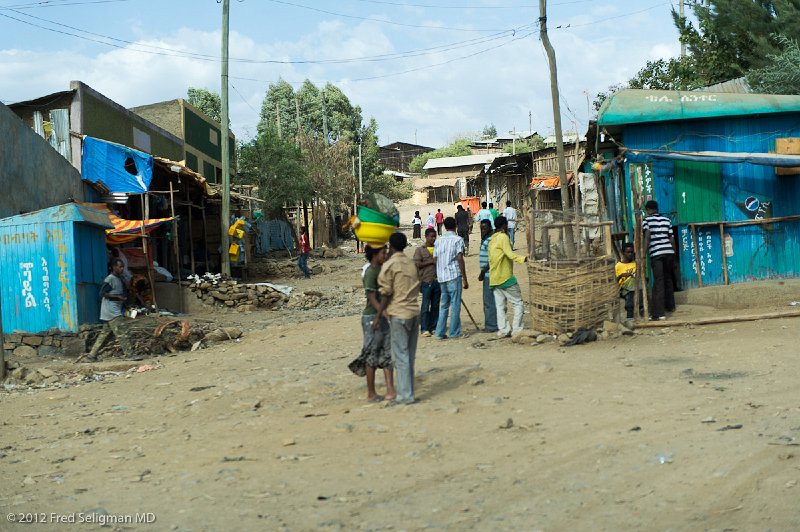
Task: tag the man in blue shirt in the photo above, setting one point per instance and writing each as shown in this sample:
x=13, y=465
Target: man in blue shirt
x=485, y=214
x=448, y=251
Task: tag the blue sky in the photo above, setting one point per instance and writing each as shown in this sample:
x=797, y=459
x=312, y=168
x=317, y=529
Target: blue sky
x=427, y=70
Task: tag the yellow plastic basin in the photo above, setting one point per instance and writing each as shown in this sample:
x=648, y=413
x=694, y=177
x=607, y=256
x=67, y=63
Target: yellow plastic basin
x=372, y=234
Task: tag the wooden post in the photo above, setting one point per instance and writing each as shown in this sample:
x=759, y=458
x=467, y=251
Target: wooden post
x=175, y=243
x=696, y=256
x=724, y=256
x=191, y=231
x=532, y=229
x=641, y=268
x=205, y=237
x=146, y=250
x=637, y=245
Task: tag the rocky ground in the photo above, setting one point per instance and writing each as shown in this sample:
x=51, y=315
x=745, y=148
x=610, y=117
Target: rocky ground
x=668, y=429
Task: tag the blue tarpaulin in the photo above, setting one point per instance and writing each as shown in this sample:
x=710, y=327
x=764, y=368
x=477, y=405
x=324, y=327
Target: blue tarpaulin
x=117, y=167
x=763, y=159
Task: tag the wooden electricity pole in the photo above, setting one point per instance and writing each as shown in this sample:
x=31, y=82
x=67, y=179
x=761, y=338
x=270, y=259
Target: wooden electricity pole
x=225, y=214
x=562, y=165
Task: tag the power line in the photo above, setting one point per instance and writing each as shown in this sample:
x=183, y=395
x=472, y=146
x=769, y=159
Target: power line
x=382, y=21
x=172, y=52
x=595, y=22
x=433, y=6
x=52, y=3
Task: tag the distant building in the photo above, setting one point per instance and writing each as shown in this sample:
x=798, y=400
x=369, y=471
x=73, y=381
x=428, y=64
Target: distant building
x=200, y=134
x=448, y=176
x=63, y=118
x=398, y=155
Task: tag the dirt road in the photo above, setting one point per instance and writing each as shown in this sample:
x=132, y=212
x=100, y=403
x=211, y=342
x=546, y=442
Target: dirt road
x=685, y=429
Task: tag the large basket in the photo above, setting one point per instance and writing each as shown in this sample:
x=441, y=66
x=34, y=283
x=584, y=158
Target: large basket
x=568, y=295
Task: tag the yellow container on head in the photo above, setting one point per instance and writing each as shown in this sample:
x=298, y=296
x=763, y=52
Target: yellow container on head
x=374, y=235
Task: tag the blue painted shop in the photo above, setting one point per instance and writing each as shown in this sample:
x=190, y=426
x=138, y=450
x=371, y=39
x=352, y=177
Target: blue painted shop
x=51, y=267
x=725, y=168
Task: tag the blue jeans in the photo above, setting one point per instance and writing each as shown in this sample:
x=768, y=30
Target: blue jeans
x=404, y=334
x=510, y=232
x=429, y=314
x=451, y=298
x=302, y=262
x=489, y=307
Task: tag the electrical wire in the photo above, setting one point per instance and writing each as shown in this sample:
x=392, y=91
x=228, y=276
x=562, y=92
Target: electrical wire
x=165, y=51
x=51, y=3
x=433, y=6
x=614, y=17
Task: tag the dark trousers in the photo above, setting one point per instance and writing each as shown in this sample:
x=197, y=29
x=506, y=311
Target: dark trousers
x=629, y=304
x=439, y=228
x=429, y=313
x=663, y=288
x=464, y=234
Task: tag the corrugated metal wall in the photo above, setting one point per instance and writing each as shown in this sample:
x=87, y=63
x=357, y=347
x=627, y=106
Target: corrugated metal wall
x=753, y=252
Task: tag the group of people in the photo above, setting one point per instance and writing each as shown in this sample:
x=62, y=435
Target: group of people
x=393, y=318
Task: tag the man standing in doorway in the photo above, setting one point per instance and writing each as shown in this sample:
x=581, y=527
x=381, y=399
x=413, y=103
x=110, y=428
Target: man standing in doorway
x=489, y=307
x=462, y=225
x=660, y=243
x=510, y=214
x=113, y=295
x=451, y=272
x=484, y=214
x=398, y=284
x=439, y=221
x=429, y=285
x=502, y=280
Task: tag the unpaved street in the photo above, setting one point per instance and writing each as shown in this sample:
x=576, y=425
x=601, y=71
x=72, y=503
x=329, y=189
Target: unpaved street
x=674, y=429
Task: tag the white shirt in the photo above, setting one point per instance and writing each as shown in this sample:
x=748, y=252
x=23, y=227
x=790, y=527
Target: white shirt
x=511, y=215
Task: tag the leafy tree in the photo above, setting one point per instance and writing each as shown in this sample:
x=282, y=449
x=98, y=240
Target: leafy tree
x=489, y=131
x=207, y=101
x=328, y=169
x=782, y=76
x=277, y=166
x=457, y=148
x=536, y=142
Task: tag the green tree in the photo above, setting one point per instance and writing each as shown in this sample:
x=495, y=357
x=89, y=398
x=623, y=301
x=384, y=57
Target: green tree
x=457, y=148
x=536, y=142
x=782, y=76
x=489, y=131
x=207, y=101
x=277, y=166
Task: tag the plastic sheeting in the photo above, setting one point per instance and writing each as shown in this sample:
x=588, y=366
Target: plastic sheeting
x=117, y=167
x=763, y=159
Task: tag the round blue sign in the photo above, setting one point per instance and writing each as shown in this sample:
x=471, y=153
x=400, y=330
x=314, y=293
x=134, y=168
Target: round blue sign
x=752, y=204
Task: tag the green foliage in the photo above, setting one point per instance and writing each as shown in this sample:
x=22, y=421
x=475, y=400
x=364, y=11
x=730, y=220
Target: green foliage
x=328, y=168
x=458, y=148
x=278, y=168
x=536, y=142
x=676, y=74
x=489, y=131
x=207, y=101
x=782, y=76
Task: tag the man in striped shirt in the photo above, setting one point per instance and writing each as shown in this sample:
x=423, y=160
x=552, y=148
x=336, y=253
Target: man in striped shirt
x=660, y=243
x=489, y=308
x=448, y=252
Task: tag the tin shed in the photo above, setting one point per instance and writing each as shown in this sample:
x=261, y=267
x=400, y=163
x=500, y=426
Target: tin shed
x=717, y=167
x=51, y=267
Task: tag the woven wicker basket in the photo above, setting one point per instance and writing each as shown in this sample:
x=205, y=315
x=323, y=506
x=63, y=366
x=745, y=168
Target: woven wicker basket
x=568, y=295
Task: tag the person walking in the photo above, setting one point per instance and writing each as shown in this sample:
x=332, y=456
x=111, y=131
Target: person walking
x=451, y=272
x=429, y=285
x=510, y=214
x=484, y=214
x=489, y=307
x=502, y=280
x=399, y=285
x=494, y=212
x=114, y=295
x=417, y=222
x=431, y=221
x=376, y=351
x=462, y=226
x=660, y=244
x=439, y=217
x=303, y=249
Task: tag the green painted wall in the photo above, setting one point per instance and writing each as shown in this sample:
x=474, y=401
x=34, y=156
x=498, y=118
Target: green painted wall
x=108, y=123
x=191, y=161
x=196, y=135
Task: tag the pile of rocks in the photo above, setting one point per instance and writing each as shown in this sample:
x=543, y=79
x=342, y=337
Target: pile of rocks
x=240, y=296
x=51, y=343
x=281, y=268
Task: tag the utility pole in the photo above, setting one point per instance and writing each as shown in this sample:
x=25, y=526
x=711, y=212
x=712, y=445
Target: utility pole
x=360, y=176
x=683, y=17
x=297, y=110
x=226, y=156
x=278, y=119
x=324, y=118
x=562, y=165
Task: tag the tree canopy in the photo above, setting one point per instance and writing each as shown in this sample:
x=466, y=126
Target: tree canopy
x=457, y=148
x=489, y=131
x=783, y=75
x=207, y=101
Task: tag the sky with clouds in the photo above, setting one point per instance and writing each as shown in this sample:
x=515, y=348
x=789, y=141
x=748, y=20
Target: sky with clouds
x=427, y=70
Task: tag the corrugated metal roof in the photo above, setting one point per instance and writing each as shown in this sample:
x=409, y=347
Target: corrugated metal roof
x=634, y=106
x=70, y=212
x=732, y=86
x=569, y=138
x=422, y=184
x=465, y=160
